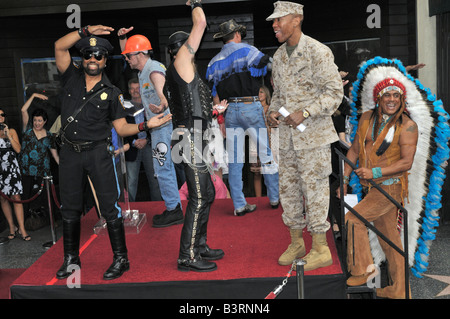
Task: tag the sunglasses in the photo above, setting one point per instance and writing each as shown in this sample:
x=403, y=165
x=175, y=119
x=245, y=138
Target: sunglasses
x=97, y=55
x=129, y=55
x=2, y=114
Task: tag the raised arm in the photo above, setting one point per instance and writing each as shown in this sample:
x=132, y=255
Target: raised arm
x=62, y=45
x=185, y=56
x=26, y=106
x=122, y=34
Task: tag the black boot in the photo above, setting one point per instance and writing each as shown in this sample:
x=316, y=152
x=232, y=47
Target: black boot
x=211, y=254
x=198, y=265
x=189, y=256
x=169, y=218
x=116, y=231
x=205, y=252
x=71, y=240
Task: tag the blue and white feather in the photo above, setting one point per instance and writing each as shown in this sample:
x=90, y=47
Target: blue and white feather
x=427, y=173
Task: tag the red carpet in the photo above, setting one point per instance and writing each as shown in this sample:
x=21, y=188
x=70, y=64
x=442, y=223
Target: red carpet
x=7, y=277
x=252, y=245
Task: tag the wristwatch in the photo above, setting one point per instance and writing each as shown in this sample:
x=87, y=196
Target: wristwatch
x=305, y=114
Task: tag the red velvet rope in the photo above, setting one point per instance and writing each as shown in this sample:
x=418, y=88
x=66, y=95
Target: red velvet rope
x=55, y=198
x=24, y=200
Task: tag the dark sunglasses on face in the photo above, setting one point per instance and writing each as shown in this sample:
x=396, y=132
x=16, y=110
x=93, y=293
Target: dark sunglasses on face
x=129, y=55
x=2, y=114
x=97, y=55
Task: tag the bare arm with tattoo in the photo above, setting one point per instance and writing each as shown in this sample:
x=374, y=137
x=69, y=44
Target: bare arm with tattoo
x=184, y=60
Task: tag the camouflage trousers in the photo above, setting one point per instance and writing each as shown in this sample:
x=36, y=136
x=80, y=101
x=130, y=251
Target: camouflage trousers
x=304, y=186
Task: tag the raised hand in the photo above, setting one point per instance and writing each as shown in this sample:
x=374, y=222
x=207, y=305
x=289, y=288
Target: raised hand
x=100, y=29
x=123, y=31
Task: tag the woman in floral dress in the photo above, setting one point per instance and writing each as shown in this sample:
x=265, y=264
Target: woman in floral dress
x=10, y=179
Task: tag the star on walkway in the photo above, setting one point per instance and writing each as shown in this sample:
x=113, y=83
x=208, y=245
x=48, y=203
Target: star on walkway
x=445, y=279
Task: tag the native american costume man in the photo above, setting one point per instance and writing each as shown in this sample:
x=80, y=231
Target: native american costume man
x=418, y=190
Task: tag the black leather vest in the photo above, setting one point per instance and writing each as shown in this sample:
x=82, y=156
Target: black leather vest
x=187, y=101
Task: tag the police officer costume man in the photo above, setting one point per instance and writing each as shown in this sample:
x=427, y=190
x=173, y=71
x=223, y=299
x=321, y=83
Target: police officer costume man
x=90, y=106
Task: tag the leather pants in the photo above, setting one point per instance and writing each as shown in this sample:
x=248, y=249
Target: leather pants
x=201, y=196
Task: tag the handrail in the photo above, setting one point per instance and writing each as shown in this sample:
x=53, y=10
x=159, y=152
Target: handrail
x=404, y=253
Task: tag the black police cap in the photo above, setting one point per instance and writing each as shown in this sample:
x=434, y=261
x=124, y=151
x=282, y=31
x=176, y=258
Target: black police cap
x=94, y=43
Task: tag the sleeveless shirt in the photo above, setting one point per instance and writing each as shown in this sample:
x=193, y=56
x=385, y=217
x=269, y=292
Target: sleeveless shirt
x=391, y=155
x=188, y=101
x=147, y=89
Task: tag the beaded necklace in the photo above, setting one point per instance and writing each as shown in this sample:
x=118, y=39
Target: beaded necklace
x=385, y=119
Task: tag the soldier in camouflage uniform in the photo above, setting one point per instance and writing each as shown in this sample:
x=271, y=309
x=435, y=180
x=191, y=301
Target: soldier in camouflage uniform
x=306, y=83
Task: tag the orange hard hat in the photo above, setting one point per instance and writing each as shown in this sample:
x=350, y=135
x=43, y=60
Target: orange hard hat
x=137, y=43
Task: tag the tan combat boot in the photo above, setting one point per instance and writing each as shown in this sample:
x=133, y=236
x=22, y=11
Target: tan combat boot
x=320, y=255
x=296, y=248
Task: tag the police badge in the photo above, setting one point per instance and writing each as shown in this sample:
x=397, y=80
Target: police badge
x=92, y=42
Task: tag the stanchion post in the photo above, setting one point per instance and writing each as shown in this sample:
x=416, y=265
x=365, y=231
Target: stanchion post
x=47, y=245
x=300, y=269
x=130, y=214
x=133, y=220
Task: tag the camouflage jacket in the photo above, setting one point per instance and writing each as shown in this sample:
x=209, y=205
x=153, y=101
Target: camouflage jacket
x=308, y=79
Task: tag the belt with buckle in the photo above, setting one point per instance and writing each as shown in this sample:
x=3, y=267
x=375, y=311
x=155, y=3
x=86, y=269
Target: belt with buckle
x=243, y=99
x=83, y=146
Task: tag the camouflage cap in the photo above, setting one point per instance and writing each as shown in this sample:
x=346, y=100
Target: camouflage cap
x=283, y=8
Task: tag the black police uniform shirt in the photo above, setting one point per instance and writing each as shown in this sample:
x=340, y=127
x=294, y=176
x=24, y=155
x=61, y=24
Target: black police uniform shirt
x=93, y=123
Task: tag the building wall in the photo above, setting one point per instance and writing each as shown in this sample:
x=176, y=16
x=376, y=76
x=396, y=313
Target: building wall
x=426, y=45
x=28, y=35
x=402, y=31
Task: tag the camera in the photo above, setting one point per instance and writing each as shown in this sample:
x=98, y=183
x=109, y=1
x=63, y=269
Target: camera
x=2, y=126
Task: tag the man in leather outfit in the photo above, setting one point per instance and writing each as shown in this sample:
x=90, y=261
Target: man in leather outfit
x=191, y=105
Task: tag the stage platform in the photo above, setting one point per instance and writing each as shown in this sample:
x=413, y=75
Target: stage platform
x=249, y=269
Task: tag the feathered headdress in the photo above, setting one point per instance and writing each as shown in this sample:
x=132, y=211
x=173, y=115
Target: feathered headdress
x=427, y=174
x=386, y=136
